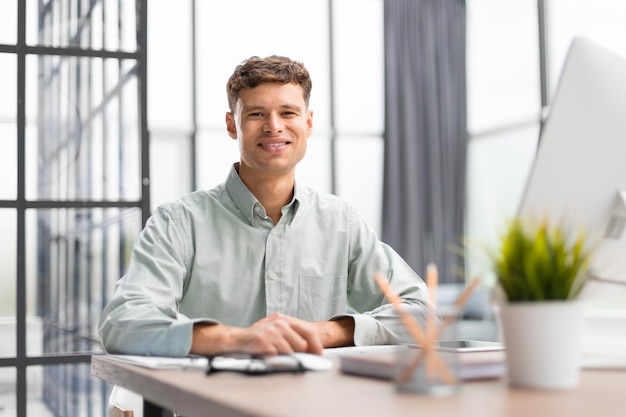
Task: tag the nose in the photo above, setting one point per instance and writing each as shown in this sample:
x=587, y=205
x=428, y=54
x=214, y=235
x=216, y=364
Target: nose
x=273, y=123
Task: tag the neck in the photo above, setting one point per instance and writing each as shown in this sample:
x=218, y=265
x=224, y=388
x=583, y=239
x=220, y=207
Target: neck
x=272, y=191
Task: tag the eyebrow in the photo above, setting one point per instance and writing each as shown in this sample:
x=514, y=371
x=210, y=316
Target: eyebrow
x=282, y=106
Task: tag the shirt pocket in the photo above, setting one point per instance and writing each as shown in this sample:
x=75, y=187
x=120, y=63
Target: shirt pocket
x=321, y=296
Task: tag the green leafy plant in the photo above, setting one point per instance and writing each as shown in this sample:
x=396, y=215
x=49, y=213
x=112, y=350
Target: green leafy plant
x=536, y=262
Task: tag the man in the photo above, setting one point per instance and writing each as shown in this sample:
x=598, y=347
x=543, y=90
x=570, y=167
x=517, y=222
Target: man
x=258, y=264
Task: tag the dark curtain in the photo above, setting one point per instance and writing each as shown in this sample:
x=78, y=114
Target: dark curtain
x=425, y=133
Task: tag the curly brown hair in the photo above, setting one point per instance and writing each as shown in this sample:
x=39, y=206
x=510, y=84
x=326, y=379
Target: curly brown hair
x=272, y=69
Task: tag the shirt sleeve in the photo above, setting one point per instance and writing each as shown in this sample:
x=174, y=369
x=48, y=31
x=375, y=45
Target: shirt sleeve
x=142, y=317
x=376, y=321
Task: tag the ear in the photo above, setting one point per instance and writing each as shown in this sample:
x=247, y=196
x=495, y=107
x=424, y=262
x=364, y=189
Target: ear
x=309, y=123
x=230, y=125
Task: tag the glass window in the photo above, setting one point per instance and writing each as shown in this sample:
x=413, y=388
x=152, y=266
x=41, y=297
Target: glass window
x=171, y=168
x=75, y=257
x=66, y=390
x=360, y=175
x=502, y=63
x=8, y=254
x=298, y=30
x=104, y=24
x=8, y=86
x=497, y=168
x=215, y=153
x=169, y=65
x=314, y=170
x=8, y=392
x=600, y=21
x=8, y=161
x=86, y=144
x=504, y=106
x=8, y=28
x=359, y=66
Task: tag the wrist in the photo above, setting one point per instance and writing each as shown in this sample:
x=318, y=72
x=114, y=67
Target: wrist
x=337, y=333
x=211, y=339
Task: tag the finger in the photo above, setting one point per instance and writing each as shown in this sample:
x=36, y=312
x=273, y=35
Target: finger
x=306, y=332
x=300, y=335
x=274, y=335
x=286, y=334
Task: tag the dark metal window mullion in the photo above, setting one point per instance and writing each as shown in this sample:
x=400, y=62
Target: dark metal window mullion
x=121, y=142
x=544, y=60
x=194, y=100
x=142, y=65
x=21, y=383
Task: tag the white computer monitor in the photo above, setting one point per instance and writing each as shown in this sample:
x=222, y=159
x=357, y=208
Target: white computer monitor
x=579, y=175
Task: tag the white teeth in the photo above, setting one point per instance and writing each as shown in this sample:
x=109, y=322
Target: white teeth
x=274, y=144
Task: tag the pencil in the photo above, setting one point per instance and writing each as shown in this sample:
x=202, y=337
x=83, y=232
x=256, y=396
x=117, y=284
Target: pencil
x=414, y=330
x=458, y=304
x=409, y=322
x=432, y=280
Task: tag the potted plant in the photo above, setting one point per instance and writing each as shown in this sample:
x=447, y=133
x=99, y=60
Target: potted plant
x=540, y=270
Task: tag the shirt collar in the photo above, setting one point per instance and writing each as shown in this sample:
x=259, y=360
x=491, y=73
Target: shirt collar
x=246, y=202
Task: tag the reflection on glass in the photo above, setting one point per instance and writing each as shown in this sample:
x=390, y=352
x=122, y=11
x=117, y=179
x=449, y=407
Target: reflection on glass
x=108, y=25
x=87, y=141
x=80, y=255
x=65, y=390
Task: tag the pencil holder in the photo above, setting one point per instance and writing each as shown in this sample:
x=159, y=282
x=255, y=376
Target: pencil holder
x=428, y=368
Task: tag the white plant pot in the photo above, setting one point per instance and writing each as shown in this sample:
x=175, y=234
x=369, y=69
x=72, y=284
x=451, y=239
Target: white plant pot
x=542, y=341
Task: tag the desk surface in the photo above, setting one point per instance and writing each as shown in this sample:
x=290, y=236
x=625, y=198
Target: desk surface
x=331, y=393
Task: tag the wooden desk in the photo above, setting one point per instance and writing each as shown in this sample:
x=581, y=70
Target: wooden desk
x=331, y=393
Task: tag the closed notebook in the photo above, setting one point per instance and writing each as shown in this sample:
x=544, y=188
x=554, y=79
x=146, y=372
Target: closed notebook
x=475, y=359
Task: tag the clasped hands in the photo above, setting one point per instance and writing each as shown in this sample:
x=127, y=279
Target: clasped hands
x=274, y=334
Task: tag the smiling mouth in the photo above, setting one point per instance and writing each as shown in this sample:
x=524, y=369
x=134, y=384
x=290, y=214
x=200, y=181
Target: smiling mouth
x=274, y=144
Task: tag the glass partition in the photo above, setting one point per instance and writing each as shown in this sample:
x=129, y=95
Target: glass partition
x=81, y=254
x=87, y=142
x=66, y=390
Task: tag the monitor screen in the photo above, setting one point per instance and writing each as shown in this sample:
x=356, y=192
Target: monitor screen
x=578, y=178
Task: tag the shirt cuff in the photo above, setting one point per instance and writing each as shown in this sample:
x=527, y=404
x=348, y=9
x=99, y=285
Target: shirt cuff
x=367, y=330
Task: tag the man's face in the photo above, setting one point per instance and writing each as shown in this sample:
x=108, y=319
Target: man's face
x=272, y=125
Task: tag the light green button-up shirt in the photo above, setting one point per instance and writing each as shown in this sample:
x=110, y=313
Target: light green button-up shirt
x=215, y=256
